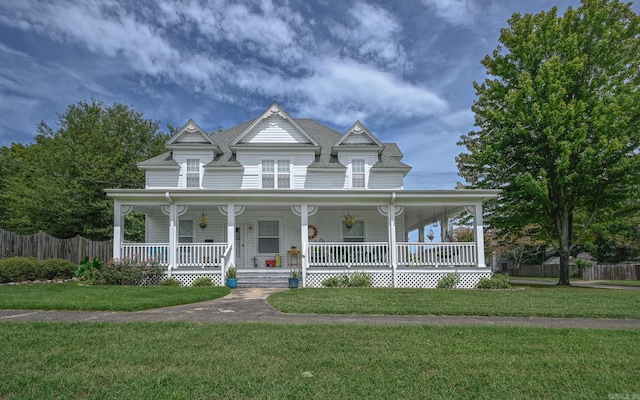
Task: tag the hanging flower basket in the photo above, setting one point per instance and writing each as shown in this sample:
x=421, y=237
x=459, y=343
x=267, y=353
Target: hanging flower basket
x=349, y=220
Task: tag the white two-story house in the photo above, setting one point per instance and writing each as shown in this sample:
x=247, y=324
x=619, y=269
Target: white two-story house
x=276, y=192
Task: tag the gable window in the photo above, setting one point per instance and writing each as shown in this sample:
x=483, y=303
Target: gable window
x=268, y=237
x=193, y=172
x=276, y=174
x=357, y=173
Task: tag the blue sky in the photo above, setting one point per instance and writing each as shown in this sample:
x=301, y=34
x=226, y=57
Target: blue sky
x=404, y=68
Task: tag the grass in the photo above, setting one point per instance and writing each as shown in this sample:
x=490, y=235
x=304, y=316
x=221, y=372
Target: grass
x=540, y=301
x=202, y=361
x=619, y=283
x=70, y=296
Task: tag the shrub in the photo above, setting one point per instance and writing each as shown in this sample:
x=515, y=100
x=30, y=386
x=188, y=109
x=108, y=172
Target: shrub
x=56, y=269
x=128, y=271
x=360, y=279
x=170, y=282
x=16, y=269
x=497, y=281
x=202, y=282
x=575, y=269
x=334, y=281
x=449, y=280
x=357, y=279
x=88, y=270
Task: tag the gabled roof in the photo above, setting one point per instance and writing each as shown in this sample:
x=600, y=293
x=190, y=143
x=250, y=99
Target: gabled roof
x=164, y=160
x=324, y=141
x=274, y=110
x=191, y=135
x=358, y=134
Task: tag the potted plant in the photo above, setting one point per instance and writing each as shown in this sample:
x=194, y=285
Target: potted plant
x=232, y=280
x=349, y=220
x=294, y=278
x=203, y=221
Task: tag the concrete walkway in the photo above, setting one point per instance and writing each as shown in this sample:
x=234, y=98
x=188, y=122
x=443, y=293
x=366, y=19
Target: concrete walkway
x=250, y=305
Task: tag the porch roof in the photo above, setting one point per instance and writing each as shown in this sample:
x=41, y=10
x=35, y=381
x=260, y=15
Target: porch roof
x=420, y=206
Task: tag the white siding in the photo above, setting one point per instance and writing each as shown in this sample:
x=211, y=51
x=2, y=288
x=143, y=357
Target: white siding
x=385, y=180
x=325, y=179
x=275, y=129
x=251, y=162
x=222, y=179
x=162, y=178
x=181, y=156
x=345, y=157
x=192, y=137
x=157, y=228
x=357, y=139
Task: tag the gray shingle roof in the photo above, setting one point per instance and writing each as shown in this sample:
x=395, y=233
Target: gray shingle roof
x=323, y=135
x=163, y=160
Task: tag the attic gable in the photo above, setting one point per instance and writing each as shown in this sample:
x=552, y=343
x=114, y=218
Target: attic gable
x=274, y=126
x=358, y=137
x=190, y=135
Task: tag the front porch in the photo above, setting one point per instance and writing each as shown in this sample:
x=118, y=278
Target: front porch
x=419, y=265
x=249, y=230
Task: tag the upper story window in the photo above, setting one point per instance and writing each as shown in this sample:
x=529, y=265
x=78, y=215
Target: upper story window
x=276, y=174
x=357, y=173
x=193, y=172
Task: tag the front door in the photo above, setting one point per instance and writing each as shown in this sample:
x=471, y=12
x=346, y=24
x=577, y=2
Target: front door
x=239, y=246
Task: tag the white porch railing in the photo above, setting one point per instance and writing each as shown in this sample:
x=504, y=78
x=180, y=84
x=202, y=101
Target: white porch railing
x=144, y=251
x=200, y=255
x=348, y=254
x=436, y=254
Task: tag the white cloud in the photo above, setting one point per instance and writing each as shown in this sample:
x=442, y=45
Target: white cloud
x=372, y=34
x=455, y=12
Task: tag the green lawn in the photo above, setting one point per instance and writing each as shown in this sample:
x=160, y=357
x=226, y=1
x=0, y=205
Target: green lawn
x=71, y=296
x=240, y=361
x=542, y=301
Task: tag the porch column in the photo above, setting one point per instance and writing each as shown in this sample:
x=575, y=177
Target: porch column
x=393, y=251
x=420, y=234
x=304, y=240
x=479, y=236
x=173, y=236
x=118, y=228
x=231, y=234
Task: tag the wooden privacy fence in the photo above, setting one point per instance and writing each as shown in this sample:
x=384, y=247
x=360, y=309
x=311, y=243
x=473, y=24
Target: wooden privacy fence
x=43, y=246
x=629, y=272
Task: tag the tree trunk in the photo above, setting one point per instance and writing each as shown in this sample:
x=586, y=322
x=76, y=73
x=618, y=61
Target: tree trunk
x=565, y=267
x=565, y=235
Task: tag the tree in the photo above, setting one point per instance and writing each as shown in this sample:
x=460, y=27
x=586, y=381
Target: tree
x=57, y=184
x=517, y=244
x=559, y=121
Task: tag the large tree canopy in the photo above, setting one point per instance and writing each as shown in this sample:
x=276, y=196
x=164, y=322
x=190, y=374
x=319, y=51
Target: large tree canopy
x=56, y=184
x=559, y=121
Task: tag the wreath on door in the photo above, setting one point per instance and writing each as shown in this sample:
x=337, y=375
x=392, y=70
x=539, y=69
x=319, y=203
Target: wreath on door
x=313, y=232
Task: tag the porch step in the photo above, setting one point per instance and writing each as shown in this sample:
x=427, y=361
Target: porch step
x=263, y=278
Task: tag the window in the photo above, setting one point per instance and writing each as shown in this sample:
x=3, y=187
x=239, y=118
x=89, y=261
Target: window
x=276, y=174
x=357, y=174
x=185, y=233
x=355, y=234
x=268, y=237
x=193, y=172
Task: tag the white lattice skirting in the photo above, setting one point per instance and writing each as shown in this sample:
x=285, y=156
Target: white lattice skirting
x=406, y=279
x=187, y=278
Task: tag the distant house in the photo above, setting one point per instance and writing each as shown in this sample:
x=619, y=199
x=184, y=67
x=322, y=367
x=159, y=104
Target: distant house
x=279, y=190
